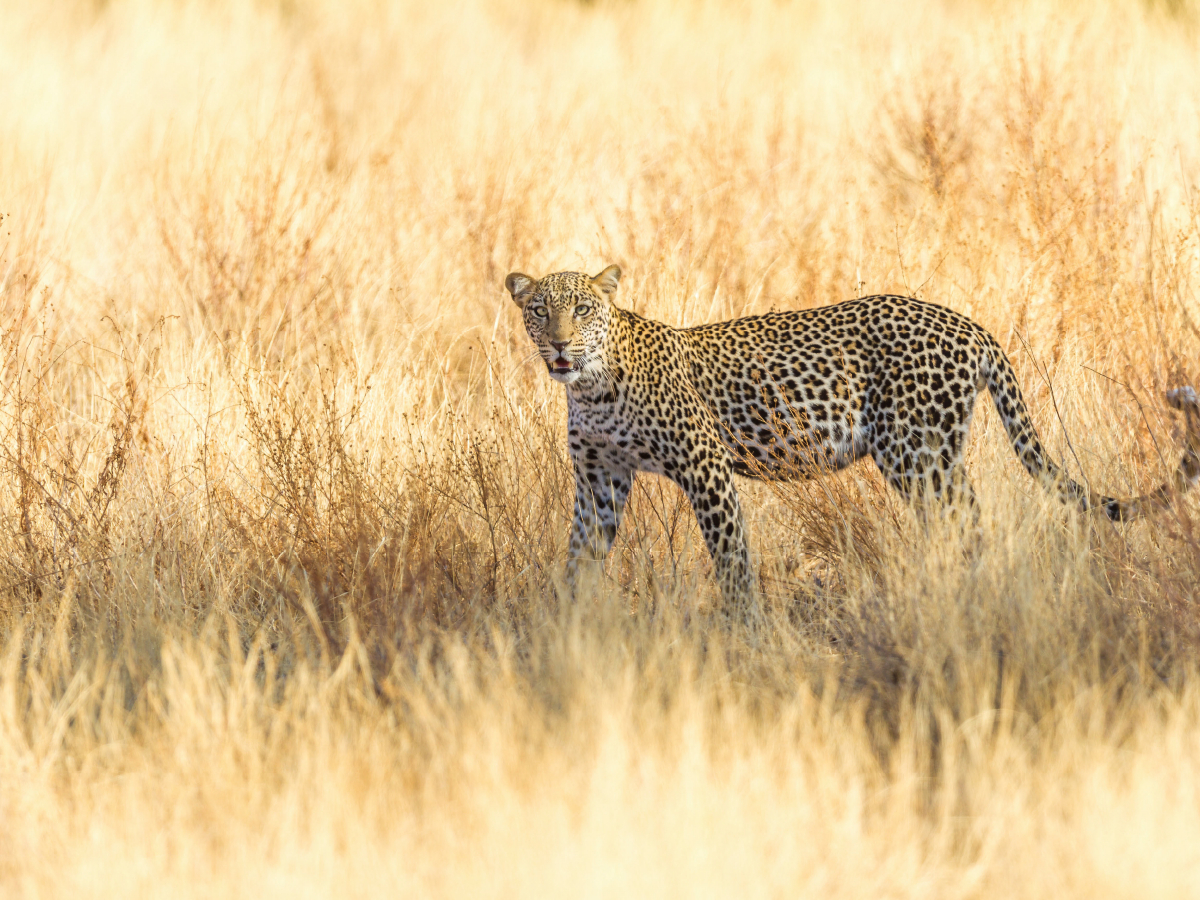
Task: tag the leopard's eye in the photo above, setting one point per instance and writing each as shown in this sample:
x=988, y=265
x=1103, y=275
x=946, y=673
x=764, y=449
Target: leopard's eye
x=539, y=312
x=582, y=310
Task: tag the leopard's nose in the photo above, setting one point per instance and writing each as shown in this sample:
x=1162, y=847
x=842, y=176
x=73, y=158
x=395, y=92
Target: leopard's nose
x=560, y=346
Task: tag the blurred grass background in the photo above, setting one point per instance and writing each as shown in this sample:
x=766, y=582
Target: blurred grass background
x=286, y=498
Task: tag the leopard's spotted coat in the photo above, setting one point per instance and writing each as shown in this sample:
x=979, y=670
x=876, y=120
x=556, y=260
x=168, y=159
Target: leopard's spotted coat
x=784, y=394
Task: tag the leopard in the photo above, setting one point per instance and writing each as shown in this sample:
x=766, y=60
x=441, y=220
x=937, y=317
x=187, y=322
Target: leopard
x=782, y=395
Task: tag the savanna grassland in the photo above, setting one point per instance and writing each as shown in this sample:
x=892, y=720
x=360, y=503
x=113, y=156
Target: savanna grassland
x=285, y=494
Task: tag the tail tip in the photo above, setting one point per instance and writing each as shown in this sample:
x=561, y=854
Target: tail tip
x=1183, y=398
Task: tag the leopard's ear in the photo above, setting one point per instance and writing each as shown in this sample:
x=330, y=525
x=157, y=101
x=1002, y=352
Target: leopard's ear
x=519, y=285
x=607, y=280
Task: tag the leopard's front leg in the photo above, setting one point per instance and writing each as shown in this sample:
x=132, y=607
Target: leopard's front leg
x=602, y=484
x=709, y=486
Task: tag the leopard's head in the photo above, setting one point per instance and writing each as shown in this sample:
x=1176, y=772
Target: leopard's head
x=567, y=315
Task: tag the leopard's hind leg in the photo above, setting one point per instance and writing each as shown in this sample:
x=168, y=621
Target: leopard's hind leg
x=918, y=444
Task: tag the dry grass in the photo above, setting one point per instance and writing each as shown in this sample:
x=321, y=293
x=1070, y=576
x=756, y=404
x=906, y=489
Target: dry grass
x=285, y=500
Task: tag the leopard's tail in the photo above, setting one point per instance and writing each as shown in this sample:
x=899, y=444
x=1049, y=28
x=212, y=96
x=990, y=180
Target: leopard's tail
x=1002, y=382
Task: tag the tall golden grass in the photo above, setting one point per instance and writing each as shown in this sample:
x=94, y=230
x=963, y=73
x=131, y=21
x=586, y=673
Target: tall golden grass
x=286, y=498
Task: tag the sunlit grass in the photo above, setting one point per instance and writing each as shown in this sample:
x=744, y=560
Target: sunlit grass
x=280, y=591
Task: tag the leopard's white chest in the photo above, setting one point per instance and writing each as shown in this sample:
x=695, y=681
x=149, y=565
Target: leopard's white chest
x=597, y=421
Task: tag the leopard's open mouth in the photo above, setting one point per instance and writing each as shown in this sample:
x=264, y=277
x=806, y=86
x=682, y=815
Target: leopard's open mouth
x=561, y=364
